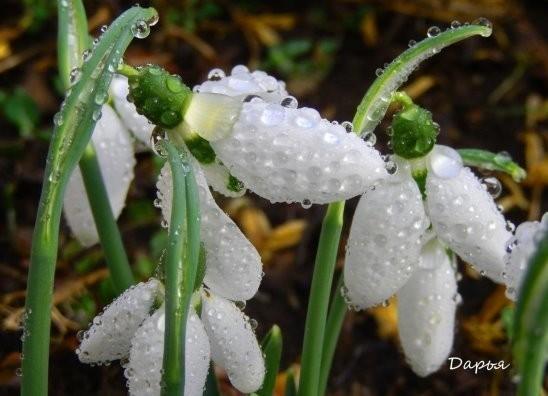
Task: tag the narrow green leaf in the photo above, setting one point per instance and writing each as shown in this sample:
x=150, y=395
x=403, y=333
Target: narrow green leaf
x=500, y=162
x=272, y=350
x=290, y=384
x=74, y=124
x=374, y=104
x=530, y=344
x=72, y=37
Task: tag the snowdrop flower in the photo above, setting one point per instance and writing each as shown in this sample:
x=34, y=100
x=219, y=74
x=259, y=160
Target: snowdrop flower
x=520, y=249
x=132, y=329
x=401, y=235
x=115, y=153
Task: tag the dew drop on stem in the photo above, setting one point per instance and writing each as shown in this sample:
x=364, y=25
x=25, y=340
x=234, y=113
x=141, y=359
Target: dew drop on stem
x=433, y=31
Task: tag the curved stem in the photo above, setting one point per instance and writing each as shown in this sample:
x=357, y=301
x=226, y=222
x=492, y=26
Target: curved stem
x=109, y=234
x=70, y=137
x=180, y=269
x=335, y=319
x=322, y=279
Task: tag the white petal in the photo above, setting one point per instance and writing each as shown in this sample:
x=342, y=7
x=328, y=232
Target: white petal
x=233, y=266
x=114, y=147
x=384, y=243
x=426, y=312
x=233, y=343
x=465, y=217
x=137, y=123
x=109, y=337
x=522, y=247
x=293, y=155
x=242, y=83
x=143, y=370
x=218, y=177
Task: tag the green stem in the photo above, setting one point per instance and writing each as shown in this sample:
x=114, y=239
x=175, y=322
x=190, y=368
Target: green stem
x=127, y=70
x=70, y=137
x=531, y=323
x=335, y=319
x=108, y=231
x=322, y=279
x=180, y=269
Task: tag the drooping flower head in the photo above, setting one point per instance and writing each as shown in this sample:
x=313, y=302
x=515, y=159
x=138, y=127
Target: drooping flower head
x=406, y=230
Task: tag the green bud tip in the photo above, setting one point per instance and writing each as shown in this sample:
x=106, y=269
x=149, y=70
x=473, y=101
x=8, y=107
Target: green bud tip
x=158, y=95
x=414, y=132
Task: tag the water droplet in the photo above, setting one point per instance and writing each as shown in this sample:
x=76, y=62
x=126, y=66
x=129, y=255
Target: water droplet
x=290, y=102
x=253, y=324
x=445, y=162
x=370, y=138
x=140, y=29
x=156, y=138
x=19, y=372
x=391, y=167
x=510, y=227
x=411, y=43
x=379, y=72
x=433, y=31
x=385, y=303
x=215, y=75
x=75, y=75
x=86, y=55
x=455, y=24
x=58, y=119
x=97, y=114
x=249, y=98
x=101, y=97
x=483, y=22
x=153, y=20
x=306, y=203
x=492, y=186
x=348, y=126
x=104, y=28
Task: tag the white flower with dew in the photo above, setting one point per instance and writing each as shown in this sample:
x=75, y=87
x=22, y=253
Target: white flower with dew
x=390, y=248
x=132, y=329
x=279, y=151
x=520, y=249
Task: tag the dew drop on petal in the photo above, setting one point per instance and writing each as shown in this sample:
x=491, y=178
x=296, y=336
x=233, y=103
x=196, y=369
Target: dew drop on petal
x=216, y=75
x=445, y=162
x=492, y=186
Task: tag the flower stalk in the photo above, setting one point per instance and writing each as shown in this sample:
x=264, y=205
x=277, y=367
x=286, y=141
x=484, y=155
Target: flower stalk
x=324, y=267
x=181, y=268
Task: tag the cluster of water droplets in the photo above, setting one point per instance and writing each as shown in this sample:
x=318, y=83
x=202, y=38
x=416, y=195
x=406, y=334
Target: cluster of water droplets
x=109, y=336
x=234, y=267
x=386, y=232
x=289, y=154
x=233, y=343
x=400, y=71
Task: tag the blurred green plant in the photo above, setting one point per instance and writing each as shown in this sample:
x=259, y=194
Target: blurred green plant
x=21, y=111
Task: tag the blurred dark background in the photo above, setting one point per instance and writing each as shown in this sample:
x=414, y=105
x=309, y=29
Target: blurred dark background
x=486, y=93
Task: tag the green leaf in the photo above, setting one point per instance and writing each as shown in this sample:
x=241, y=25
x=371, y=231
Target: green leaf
x=374, y=104
x=531, y=323
x=72, y=37
x=501, y=162
x=21, y=110
x=272, y=350
x=290, y=384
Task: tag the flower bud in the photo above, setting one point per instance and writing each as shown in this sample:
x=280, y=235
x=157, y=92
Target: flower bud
x=159, y=96
x=414, y=132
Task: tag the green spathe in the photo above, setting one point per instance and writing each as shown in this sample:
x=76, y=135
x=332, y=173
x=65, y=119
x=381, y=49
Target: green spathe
x=414, y=132
x=158, y=95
